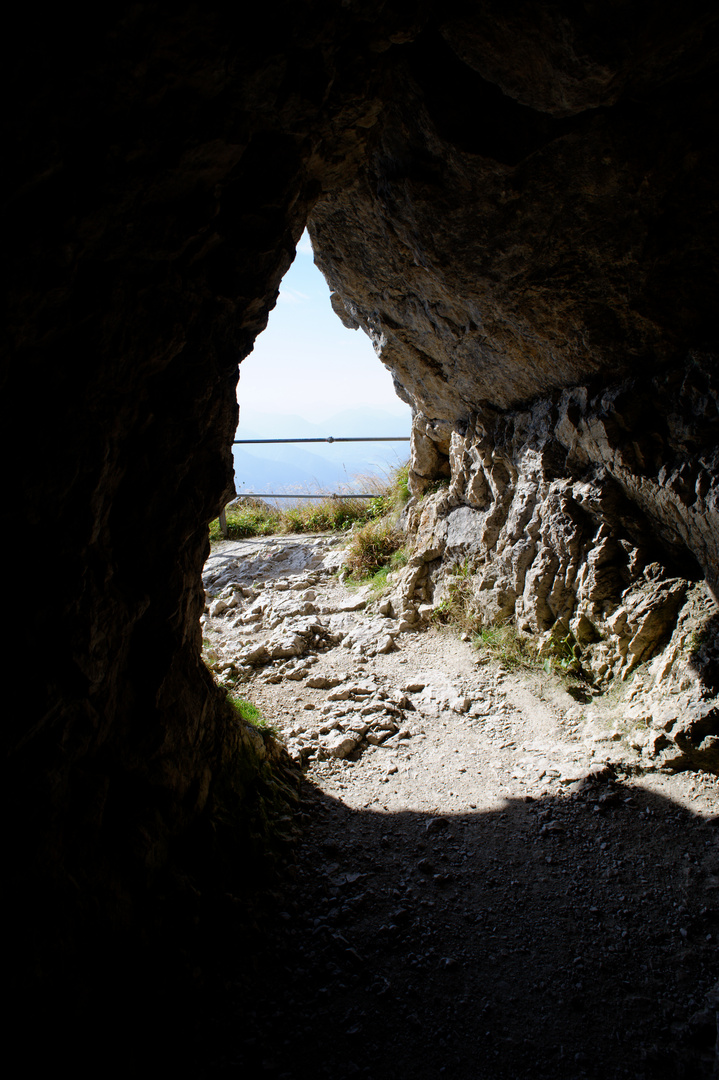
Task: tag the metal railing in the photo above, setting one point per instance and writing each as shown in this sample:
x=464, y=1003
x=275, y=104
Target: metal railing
x=330, y=439
x=321, y=494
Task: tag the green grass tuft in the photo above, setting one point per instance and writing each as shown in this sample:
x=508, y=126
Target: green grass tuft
x=254, y=517
x=372, y=547
x=378, y=580
x=250, y=713
x=456, y=608
x=249, y=518
x=505, y=645
x=399, y=488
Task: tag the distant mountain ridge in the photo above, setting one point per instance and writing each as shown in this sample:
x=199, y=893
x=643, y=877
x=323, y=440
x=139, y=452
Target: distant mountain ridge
x=329, y=467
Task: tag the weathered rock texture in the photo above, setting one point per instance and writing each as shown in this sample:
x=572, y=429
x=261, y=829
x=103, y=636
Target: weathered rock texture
x=496, y=248
x=513, y=200
x=590, y=522
x=526, y=244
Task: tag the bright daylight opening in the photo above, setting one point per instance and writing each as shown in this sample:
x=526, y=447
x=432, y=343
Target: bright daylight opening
x=311, y=377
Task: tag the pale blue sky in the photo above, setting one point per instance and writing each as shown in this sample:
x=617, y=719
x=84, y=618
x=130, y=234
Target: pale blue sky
x=306, y=362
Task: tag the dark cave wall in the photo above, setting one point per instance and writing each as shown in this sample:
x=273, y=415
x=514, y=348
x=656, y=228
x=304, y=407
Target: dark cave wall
x=165, y=163
x=510, y=198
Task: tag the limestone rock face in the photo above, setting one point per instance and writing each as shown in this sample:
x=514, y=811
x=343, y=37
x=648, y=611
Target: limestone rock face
x=591, y=523
x=494, y=252
x=518, y=244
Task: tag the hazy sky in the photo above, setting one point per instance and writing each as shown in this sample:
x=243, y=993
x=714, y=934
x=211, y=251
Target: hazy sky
x=306, y=362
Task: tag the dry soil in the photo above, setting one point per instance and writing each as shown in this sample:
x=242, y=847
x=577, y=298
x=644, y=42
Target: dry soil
x=496, y=895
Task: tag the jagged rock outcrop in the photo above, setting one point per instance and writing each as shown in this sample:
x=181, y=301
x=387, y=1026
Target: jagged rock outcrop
x=554, y=525
x=522, y=254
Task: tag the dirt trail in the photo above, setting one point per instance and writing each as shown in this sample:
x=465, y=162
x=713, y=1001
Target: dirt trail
x=490, y=891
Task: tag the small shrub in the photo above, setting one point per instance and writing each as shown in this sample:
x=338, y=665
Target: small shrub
x=378, y=507
x=565, y=655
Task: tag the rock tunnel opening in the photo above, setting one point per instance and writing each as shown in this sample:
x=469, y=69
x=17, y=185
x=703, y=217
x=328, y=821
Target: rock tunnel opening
x=544, y=296
x=307, y=378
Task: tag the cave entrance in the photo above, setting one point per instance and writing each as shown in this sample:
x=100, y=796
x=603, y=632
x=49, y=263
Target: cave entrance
x=309, y=377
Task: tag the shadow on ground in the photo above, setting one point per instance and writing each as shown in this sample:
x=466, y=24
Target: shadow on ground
x=562, y=937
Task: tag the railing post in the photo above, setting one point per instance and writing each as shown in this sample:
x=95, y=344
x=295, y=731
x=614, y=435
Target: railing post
x=223, y=522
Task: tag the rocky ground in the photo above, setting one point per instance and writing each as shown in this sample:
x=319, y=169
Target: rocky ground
x=486, y=882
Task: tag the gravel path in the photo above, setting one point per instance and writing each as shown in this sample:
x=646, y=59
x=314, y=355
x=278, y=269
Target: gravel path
x=489, y=891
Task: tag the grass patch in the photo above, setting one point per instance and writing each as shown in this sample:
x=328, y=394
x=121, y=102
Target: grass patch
x=250, y=713
x=249, y=518
x=370, y=551
x=378, y=580
x=507, y=646
x=331, y=515
x=377, y=546
x=457, y=608
x=504, y=645
x=255, y=517
x=247, y=711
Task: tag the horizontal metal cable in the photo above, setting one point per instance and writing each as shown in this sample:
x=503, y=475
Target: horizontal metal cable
x=330, y=439
x=320, y=495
